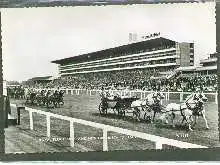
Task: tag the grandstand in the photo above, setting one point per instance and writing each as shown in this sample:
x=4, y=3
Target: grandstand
x=39, y=80
x=155, y=55
x=207, y=67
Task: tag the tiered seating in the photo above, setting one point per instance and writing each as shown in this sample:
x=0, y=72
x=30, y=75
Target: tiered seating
x=135, y=79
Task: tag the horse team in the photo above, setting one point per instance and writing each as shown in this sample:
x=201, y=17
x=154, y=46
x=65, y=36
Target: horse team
x=46, y=98
x=189, y=110
x=16, y=92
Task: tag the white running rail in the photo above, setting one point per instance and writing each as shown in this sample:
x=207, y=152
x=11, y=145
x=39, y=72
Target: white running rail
x=159, y=141
x=142, y=93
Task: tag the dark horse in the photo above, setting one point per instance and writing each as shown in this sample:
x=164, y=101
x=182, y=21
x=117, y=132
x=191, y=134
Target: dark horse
x=55, y=99
x=31, y=97
x=58, y=96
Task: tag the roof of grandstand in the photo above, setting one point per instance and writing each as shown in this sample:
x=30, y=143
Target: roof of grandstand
x=110, y=52
x=12, y=83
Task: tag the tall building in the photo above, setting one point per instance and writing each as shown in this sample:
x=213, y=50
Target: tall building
x=153, y=55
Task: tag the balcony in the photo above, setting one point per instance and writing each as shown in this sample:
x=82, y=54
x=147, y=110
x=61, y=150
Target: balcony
x=208, y=60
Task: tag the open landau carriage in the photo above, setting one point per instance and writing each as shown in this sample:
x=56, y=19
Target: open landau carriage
x=118, y=104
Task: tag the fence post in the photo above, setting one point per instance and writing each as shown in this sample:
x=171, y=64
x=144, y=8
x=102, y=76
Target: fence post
x=105, y=140
x=181, y=96
x=72, y=138
x=48, y=125
x=216, y=97
x=19, y=115
x=7, y=109
x=168, y=95
x=159, y=145
x=31, y=120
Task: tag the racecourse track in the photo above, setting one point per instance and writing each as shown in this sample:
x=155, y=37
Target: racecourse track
x=85, y=107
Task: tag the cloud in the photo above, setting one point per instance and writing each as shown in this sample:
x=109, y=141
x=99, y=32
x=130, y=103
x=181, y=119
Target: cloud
x=33, y=37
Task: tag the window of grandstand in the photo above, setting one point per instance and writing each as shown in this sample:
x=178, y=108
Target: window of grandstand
x=122, y=59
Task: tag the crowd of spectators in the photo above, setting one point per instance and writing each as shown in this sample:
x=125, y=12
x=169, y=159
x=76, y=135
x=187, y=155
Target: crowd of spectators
x=135, y=79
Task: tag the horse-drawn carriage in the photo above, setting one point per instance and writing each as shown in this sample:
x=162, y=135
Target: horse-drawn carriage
x=151, y=105
x=133, y=105
x=43, y=97
x=16, y=92
x=117, y=104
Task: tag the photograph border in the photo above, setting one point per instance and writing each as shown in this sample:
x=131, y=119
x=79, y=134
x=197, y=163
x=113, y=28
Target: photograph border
x=210, y=154
x=37, y=3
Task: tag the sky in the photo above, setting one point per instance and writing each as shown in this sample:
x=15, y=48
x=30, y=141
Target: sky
x=33, y=37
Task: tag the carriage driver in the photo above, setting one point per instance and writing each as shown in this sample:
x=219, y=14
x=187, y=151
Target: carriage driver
x=156, y=101
x=110, y=94
x=103, y=93
x=126, y=92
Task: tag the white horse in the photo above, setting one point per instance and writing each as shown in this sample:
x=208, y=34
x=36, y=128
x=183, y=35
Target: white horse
x=149, y=104
x=200, y=110
x=192, y=106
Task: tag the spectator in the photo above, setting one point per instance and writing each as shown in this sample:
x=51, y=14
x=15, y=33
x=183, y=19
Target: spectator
x=135, y=79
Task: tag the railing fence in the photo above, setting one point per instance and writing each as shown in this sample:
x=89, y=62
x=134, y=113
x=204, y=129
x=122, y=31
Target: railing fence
x=159, y=141
x=169, y=95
